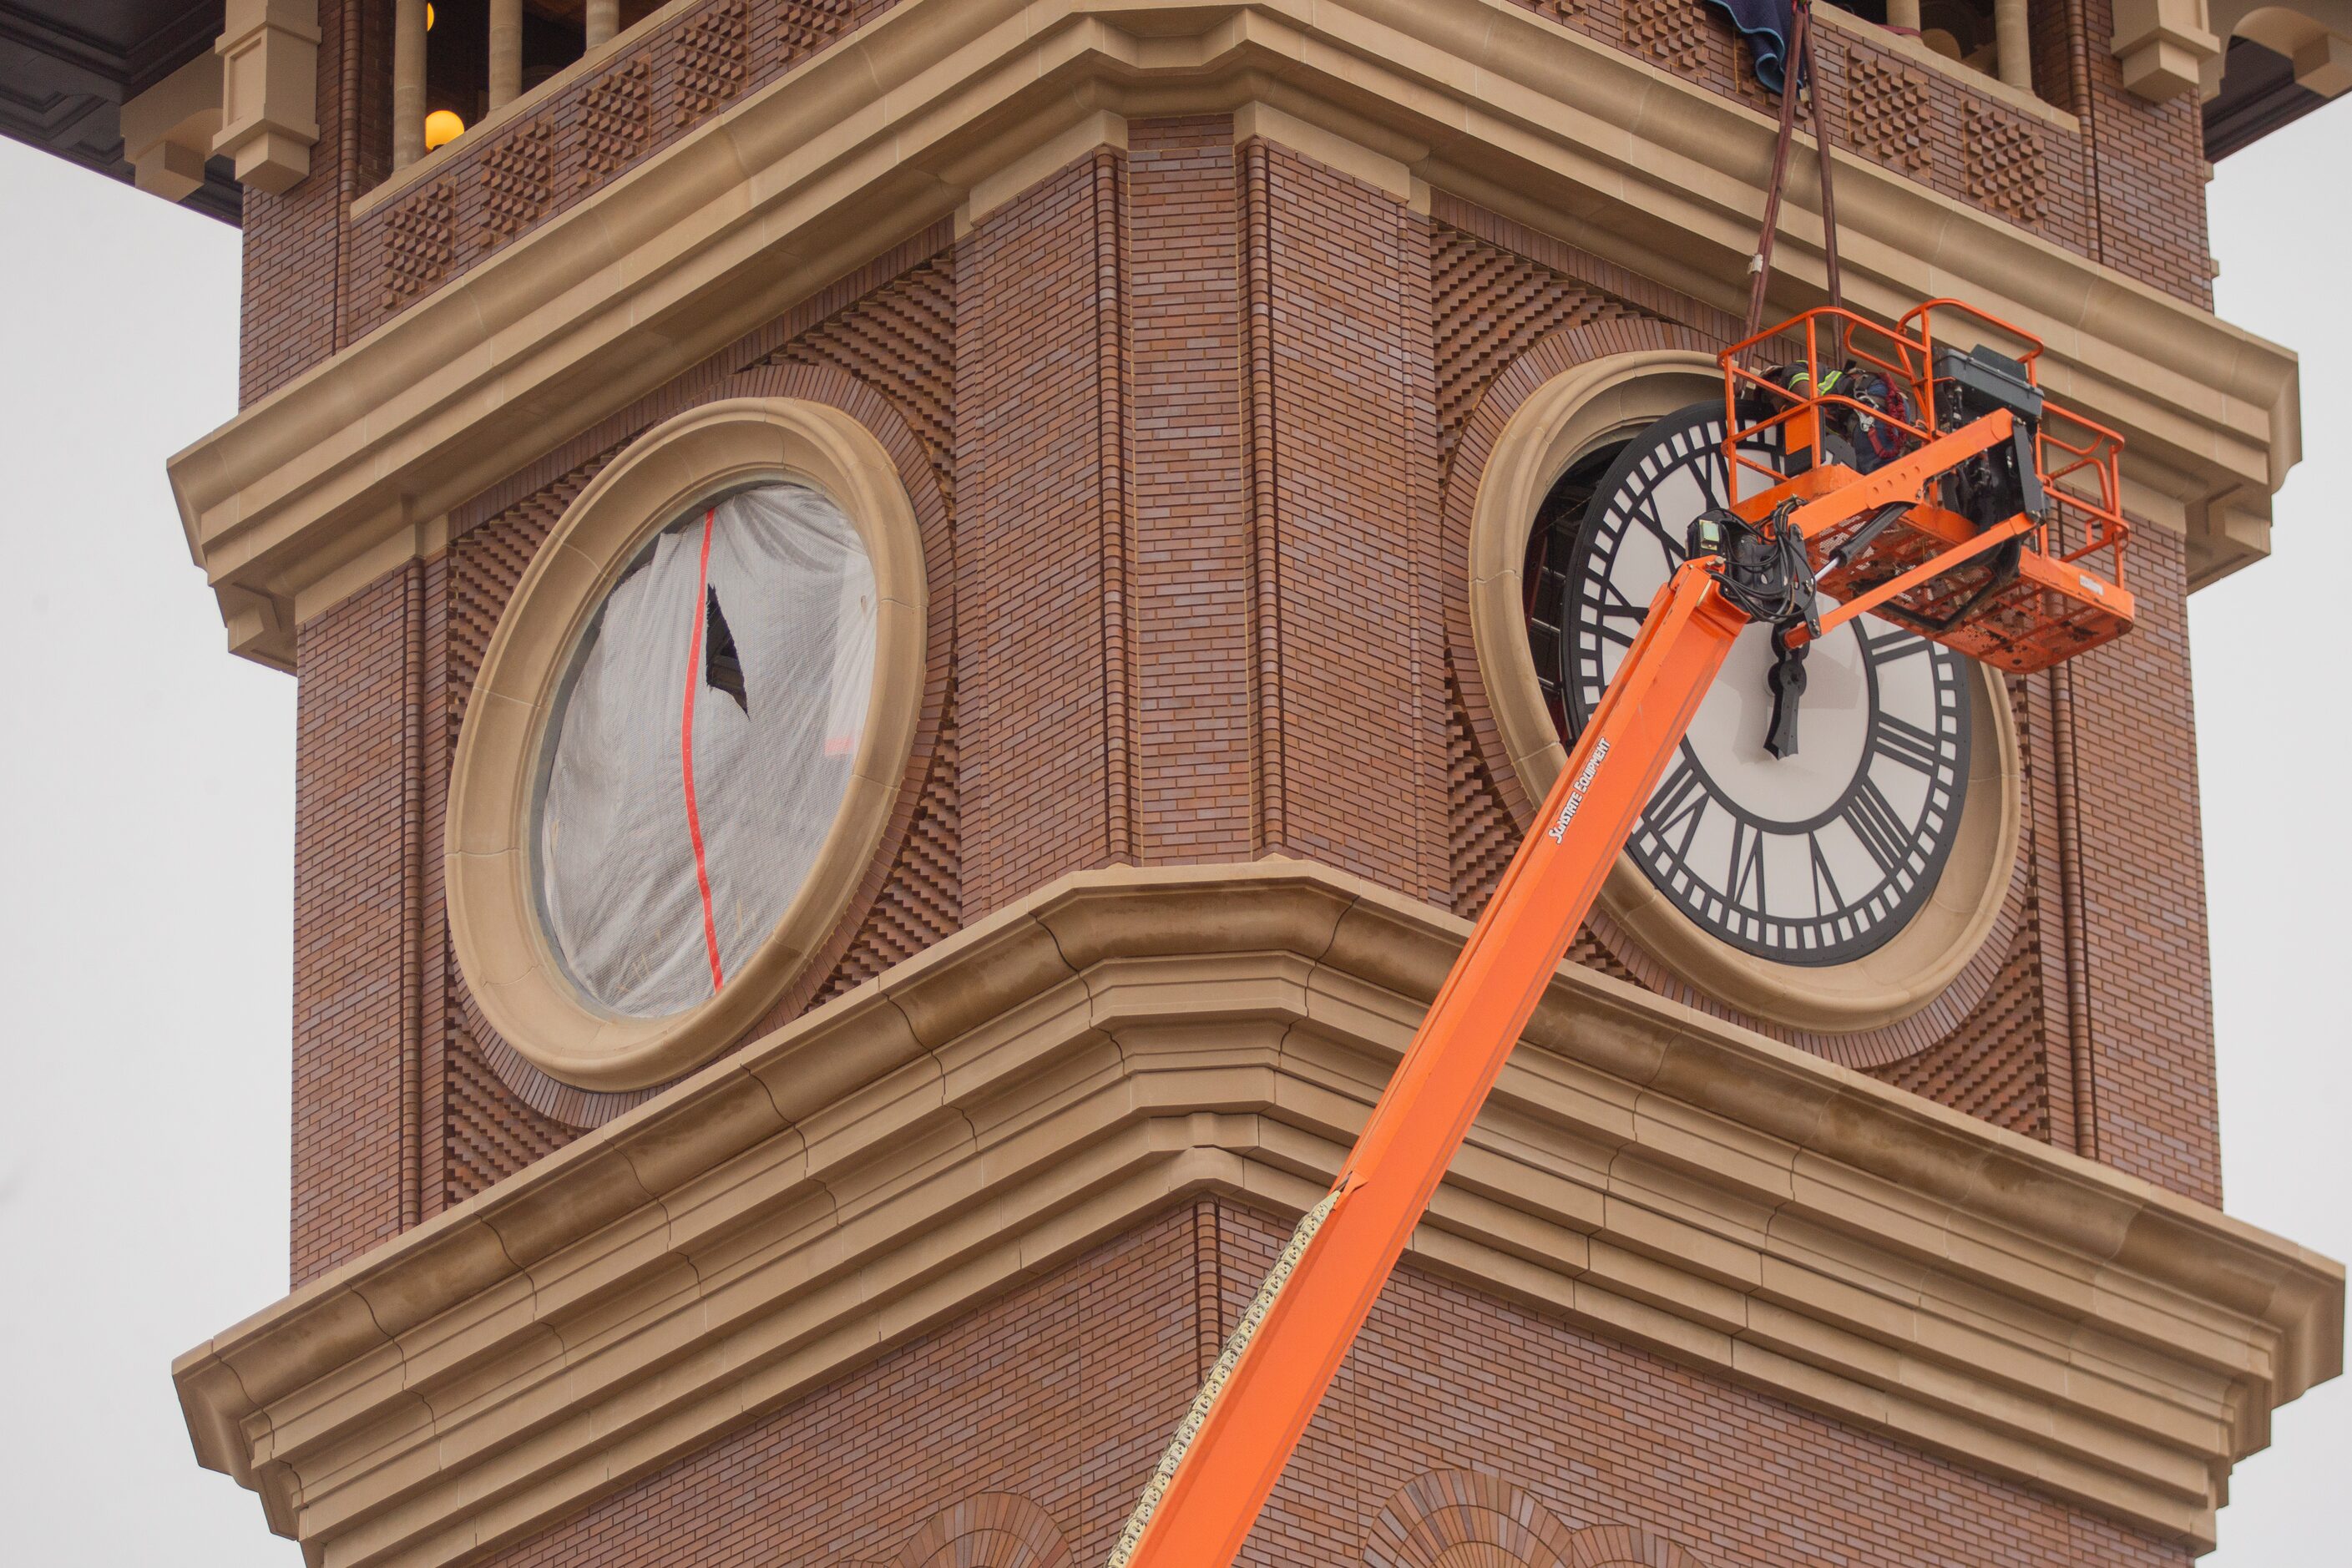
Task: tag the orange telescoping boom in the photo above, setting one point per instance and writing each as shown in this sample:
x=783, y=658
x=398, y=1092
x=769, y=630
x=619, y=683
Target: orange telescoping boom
x=1933, y=488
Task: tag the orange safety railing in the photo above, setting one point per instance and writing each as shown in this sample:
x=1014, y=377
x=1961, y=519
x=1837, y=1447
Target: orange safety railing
x=2059, y=591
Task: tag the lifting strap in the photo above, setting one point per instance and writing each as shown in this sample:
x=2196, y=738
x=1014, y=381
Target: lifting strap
x=1796, y=70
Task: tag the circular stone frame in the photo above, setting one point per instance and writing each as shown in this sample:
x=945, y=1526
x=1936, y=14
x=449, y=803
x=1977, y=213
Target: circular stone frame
x=1562, y=419
x=494, y=923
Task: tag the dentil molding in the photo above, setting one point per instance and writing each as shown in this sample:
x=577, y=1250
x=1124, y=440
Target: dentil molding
x=1125, y=1039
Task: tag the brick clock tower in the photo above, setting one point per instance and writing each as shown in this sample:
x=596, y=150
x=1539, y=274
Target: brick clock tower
x=918, y=628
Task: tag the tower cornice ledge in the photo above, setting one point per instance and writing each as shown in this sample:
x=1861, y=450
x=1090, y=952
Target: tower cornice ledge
x=1125, y=1039
x=936, y=107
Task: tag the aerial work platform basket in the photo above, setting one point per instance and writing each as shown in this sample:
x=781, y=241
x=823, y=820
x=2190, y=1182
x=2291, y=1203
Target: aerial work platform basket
x=2012, y=554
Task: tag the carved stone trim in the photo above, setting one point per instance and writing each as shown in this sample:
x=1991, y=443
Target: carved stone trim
x=1125, y=1039
x=895, y=128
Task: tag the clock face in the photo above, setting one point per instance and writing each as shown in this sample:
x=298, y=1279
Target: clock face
x=702, y=747
x=1812, y=859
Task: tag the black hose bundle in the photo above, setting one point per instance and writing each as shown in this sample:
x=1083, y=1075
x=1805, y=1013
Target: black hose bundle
x=1765, y=570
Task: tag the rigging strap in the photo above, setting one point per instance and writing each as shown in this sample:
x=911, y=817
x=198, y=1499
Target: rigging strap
x=1796, y=70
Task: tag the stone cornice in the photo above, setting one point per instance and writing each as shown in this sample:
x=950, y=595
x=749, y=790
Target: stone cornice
x=1124, y=1038
x=347, y=470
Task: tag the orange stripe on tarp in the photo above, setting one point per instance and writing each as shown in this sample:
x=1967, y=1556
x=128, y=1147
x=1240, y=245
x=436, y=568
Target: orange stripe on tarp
x=686, y=752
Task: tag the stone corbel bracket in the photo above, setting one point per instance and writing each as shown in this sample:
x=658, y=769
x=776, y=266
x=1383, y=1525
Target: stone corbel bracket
x=2164, y=46
x=269, y=91
x=2315, y=35
x=168, y=129
x=935, y=108
x=1052, y=1076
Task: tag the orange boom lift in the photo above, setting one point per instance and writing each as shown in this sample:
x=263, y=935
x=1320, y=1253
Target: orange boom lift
x=1931, y=486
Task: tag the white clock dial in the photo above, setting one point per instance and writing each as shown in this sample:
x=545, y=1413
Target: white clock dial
x=1812, y=859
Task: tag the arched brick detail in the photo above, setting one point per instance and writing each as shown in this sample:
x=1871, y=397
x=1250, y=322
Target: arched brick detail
x=1468, y=1518
x=993, y=1529
x=1622, y=1546
x=1971, y=1001
x=826, y=383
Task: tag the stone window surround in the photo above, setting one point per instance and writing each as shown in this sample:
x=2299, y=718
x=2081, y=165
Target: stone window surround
x=1571, y=413
x=494, y=928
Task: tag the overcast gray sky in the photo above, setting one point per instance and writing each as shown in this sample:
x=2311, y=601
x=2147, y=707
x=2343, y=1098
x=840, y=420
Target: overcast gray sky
x=146, y=789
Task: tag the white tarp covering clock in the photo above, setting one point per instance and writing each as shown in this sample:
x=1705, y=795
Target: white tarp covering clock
x=702, y=746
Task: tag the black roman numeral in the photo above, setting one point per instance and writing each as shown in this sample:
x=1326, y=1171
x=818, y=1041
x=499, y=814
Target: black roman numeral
x=1873, y=821
x=1681, y=801
x=1746, y=867
x=1618, y=619
x=1906, y=744
x=1891, y=644
x=1648, y=514
x=1827, y=899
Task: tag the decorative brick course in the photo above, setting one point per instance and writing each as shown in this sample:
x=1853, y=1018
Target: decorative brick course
x=2005, y=169
x=1673, y=33
x=687, y=66
x=420, y=243
x=1887, y=111
x=615, y=116
x=517, y=178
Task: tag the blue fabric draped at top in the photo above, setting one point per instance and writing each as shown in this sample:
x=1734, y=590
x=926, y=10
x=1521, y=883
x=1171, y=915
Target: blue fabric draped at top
x=1767, y=26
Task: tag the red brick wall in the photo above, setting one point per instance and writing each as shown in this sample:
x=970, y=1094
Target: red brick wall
x=1060, y=1394
x=1204, y=396
x=293, y=266
x=1338, y=280
x=1042, y=550
x=1195, y=780
x=2142, y=891
x=2150, y=165
x=356, y=857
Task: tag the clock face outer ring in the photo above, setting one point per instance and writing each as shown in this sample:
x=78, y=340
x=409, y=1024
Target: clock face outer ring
x=1872, y=992
x=495, y=926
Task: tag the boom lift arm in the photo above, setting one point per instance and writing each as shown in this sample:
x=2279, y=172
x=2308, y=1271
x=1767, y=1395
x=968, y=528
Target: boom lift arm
x=2004, y=587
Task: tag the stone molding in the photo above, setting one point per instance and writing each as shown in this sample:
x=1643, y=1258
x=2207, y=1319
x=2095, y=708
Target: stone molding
x=495, y=931
x=1125, y=1039
x=906, y=120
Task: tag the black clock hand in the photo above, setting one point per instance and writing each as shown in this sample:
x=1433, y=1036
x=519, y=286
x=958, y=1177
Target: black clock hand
x=1787, y=679
x=722, y=667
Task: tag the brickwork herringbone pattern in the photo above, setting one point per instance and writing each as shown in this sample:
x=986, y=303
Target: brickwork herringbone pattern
x=899, y=340
x=1488, y=305
x=922, y=902
x=1994, y=1067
